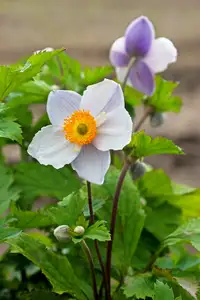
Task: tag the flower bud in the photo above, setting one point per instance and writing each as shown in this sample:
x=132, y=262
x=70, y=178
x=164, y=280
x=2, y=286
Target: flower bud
x=138, y=169
x=157, y=119
x=61, y=233
x=79, y=230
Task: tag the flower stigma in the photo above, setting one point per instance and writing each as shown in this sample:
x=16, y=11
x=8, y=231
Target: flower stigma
x=80, y=128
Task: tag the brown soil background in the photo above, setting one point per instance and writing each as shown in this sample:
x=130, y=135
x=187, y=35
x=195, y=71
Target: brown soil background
x=86, y=28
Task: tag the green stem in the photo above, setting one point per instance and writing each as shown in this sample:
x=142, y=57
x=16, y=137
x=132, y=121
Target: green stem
x=152, y=260
x=91, y=263
x=96, y=242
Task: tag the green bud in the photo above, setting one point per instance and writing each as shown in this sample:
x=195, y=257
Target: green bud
x=157, y=119
x=61, y=233
x=138, y=169
x=79, y=230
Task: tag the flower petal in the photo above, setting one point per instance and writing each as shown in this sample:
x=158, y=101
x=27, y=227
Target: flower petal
x=139, y=36
x=62, y=104
x=115, y=132
x=50, y=147
x=142, y=78
x=102, y=97
x=92, y=164
x=118, y=55
x=161, y=53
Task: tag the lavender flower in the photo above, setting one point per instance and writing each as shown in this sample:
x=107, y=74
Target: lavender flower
x=150, y=55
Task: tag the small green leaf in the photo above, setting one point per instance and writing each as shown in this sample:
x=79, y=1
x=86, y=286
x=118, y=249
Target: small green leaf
x=8, y=233
x=162, y=291
x=55, y=267
x=94, y=75
x=187, y=233
x=140, y=286
x=163, y=100
x=97, y=231
x=38, y=180
x=144, y=145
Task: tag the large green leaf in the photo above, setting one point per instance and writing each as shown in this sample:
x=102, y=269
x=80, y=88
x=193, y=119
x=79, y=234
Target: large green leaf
x=55, y=267
x=144, y=145
x=8, y=193
x=163, y=100
x=94, y=75
x=162, y=291
x=187, y=233
x=140, y=286
x=38, y=180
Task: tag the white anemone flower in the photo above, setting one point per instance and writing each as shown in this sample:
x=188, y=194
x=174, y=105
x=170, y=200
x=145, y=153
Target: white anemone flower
x=84, y=129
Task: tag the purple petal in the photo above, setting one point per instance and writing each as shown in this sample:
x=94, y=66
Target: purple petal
x=118, y=55
x=142, y=78
x=139, y=36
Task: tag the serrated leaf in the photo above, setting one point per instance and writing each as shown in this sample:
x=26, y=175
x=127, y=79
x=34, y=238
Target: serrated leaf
x=98, y=231
x=163, y=100
x=8, y=193
x=187, y=233
x=8, y=233
x=38, y=180
x=144, y=145
x=162, y=291
x=94, y=75
x=55, y=267
x=140, y=286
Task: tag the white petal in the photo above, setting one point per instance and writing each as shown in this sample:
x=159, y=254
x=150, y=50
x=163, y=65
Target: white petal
x=102, y=97
x=115, y=132
x=92, y=164
x=50, y=147
x=62, y=104
x=121, y=74
x=161, y=54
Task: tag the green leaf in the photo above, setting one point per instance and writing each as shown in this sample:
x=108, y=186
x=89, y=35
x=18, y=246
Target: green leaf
x=96, y=205
x=97, y=231
x=8, y=233
x=39, y=295
x=162, y=291
x=144, y=145
x=56, y=268
x=140, y=286
x=38, y=180
x=187, y=233
x=132, y=96
x=7, y=81
x=70, y=209
x=30, y=92
x=94, y=75
x=163, y=100
x=188, y=284
x=8, y=193
x=8, y=128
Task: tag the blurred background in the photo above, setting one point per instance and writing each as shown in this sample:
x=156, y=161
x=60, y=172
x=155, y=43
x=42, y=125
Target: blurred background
x=87, y=28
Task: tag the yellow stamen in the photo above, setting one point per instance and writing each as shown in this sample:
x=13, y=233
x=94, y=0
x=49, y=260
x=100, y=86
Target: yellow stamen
x=80, y=127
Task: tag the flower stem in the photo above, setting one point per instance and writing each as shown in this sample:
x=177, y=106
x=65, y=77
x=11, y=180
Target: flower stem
x=96, y=242
x=153, y=259
x=147, y=112
x=91, y=263
x=127, y=74
x=113, y=219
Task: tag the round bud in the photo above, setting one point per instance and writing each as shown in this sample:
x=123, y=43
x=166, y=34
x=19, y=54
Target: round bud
x=138, y=169
x=79, y=230
x=61, y=233
x=157, y=119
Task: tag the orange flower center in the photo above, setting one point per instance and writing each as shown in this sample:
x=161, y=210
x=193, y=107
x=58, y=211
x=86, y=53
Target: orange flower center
x=80, y=127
